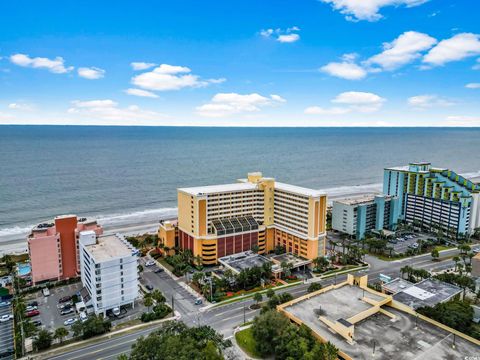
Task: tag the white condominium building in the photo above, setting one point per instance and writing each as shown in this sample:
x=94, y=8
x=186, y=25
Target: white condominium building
x=109, y=270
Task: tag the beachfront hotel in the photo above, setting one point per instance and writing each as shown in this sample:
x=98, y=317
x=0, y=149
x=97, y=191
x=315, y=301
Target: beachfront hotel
x=363, y=214
x=434, y=197
x=53, y=247
x=108, y=270
x=220, y=220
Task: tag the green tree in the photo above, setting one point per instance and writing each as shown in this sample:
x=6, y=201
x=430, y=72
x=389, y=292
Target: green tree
x=9, y=263
x=60, y=333
x=435, y=254
x=267, y=329
x=175, y=341
x=158, y=296
x=314, y=287
x=320, y=263
x=43, y=340
x=257, y=298
x=455, y=314
x=270, y=293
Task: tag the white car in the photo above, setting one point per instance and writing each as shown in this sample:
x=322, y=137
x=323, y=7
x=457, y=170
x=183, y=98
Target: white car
x=5, y=303
x=6, y=317
x=70, y=321
x=30, y=308
x=150, y=263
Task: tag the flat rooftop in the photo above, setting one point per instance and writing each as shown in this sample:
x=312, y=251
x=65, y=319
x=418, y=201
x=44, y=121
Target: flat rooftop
x=244, y=260
x=109, y=247
x=361, y=199
x=244, y=185
x=428, y=292
x=299, y=190
x=213, y=189
x=397, y=285
x=394, y=339
x=290, y=258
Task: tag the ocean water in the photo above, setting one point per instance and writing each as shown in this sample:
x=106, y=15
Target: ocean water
x=126, y=174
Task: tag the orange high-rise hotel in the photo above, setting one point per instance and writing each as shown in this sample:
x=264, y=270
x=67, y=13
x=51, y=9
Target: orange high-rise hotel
x=257, y=212
x=53, y=247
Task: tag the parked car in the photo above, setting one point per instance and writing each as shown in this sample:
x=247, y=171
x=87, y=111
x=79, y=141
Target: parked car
x=37, y=323
x=32, y=313
x=159, y=270
x=70, y=321
x=65, y=299
x=30, y=308
x=33, y=303
x=150, y=263
x=5, y=303
x=83, y=316
x=149, y=287
x=46, y=292
x=65, y=305
x=6, y=317
x=66, y=311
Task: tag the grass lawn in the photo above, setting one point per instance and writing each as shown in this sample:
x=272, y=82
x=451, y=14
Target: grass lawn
x=246, y=342
x=162, y=261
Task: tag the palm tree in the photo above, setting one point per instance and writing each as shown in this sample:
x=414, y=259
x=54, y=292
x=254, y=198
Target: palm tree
x=257, y=298
x=148, y=301
x=198, y=260
x=157, y=296
x=456, y=259
x=60, y=334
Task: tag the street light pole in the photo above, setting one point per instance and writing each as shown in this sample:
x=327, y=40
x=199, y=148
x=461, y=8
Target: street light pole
x=173, y=305
x=244, y=318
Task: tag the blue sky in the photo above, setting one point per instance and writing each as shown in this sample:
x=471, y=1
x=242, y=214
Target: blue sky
x=241, y=63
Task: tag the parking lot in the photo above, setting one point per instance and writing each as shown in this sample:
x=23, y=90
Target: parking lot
x=50, y=316
x=6, y=332
x=402, y=244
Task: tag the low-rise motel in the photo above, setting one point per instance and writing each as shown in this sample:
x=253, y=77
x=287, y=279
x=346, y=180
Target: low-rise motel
x=434, y=197
x=54, y=248
x=220, y=220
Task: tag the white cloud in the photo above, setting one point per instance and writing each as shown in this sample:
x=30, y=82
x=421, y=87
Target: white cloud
x=288, y=35
x=428, y=101
x=461, y=120
x=317, y=110
x=363, y=102
x=473, y=86
x=226, y=104
x=456, y=48
x=141, y=65
x=140, y=92
x=170, y=77
x=368, y=9
x=56, y=65
x=91, y=73
x=217, y=81
x=403, y=50
x=347, y=69
x=20, y=106
x=109, y=110
x=288, y=38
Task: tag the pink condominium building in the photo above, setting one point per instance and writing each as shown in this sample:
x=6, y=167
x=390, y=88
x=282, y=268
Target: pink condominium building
x=54, y=248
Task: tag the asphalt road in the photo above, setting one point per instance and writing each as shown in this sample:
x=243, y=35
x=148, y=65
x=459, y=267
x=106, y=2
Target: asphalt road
x=226, y=318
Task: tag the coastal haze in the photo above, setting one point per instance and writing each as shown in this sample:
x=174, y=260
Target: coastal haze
x=127, y=176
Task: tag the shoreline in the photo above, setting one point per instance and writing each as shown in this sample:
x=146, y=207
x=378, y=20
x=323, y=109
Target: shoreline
x=17, y=244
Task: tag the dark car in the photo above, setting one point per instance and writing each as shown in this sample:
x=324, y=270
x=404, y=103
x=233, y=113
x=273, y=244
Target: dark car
x=37, y=323
x=33, y=303
x=159, y=270
x=65, y=299
x=149, y=287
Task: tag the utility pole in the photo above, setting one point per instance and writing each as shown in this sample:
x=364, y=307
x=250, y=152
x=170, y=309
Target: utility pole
x=245, y=320
x=173, y=305
x=373, y=348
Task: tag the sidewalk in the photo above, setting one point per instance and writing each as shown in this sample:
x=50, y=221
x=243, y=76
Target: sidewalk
x=59, y=350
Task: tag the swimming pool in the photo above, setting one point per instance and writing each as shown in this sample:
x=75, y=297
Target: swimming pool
x=24, y=269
